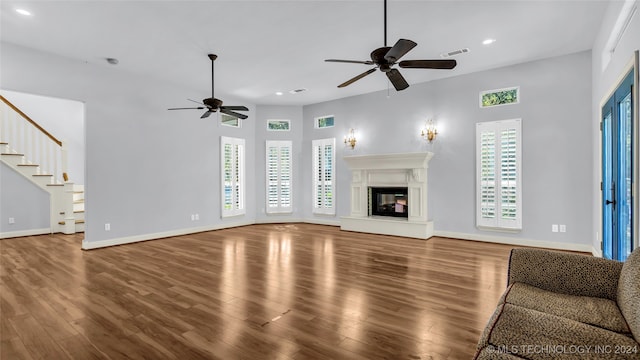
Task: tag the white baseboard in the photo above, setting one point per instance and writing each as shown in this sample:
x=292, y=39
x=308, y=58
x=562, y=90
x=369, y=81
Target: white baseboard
x=31, y=232
x=88, y=245
x=278, y=220
x=516, y=241
x=322, y=222
x=596, y=252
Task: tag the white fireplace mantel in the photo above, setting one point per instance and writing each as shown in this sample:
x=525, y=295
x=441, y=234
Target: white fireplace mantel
x=392, y=170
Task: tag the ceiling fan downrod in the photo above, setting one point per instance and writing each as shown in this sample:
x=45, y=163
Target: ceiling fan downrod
x=213, y=58
x=385, y=23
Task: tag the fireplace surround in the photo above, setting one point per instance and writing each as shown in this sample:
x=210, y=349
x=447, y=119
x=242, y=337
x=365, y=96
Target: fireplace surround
x=407, y=170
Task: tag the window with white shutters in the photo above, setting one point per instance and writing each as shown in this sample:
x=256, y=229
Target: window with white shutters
x=499, y=167
x=324, y=176
x=232, y=163
x=279, y=172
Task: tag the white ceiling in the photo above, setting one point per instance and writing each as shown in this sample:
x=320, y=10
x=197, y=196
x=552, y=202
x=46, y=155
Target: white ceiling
x=269, y=46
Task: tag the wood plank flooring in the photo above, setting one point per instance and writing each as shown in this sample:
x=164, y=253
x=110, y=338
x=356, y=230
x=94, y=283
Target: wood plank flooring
x=277, y=291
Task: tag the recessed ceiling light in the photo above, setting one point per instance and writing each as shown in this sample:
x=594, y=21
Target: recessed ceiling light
x=488, y=41
x=23, y=12
x=279, y=93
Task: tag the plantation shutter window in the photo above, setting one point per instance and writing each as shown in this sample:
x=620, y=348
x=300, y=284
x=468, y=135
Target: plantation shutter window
x=499, y=167
x=324, y=176
x=232, y=162
x=279, y=172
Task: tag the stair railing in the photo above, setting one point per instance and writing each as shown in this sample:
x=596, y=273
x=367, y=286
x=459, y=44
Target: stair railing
x=27, y=137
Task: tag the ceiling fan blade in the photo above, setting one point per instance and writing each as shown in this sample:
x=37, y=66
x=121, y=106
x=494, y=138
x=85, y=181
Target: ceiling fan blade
x=428, y=64
x=397, y=79
x=232, y=107
x=351, y=81
x=398, y=50
x=197, y=102
x=206, y=115
x=368, y=62
x=233, y=113
x=195, y=108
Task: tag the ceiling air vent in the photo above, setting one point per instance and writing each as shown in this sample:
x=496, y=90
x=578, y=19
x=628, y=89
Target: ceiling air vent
x=454, y=53
x=297, y=91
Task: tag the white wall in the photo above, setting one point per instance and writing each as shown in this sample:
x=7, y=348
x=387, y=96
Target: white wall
x=605, y=78
x=147, y=169
x=64, y=119
x=23, y=201
x=555, y=111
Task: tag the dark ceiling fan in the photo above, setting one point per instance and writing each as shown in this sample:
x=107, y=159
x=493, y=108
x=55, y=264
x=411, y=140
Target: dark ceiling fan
x=385, y=57
x=212, y=104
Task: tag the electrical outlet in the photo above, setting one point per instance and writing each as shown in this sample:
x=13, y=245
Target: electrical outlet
x=12, y=221
x=107, y=227
x=563, y=228
x=193, y=217
x=554, y=228
x=197, y=216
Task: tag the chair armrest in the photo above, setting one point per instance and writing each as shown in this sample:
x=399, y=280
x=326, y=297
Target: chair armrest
x=565, y=273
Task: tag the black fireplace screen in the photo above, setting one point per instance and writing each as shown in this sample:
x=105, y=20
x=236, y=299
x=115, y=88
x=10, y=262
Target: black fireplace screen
x=389, y=201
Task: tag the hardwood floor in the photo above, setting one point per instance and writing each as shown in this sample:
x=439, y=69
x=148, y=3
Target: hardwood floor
x=277, y=291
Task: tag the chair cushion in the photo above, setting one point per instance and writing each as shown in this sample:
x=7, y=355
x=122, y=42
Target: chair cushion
x=599, y=312
x=531, y=334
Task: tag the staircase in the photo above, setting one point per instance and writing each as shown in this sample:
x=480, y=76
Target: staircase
x=23, y=140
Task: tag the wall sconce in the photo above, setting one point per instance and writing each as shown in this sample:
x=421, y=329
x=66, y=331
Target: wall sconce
x=350, y=139
x=429, y=132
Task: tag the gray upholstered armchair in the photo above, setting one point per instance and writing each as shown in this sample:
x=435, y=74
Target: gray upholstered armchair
x=566, y=306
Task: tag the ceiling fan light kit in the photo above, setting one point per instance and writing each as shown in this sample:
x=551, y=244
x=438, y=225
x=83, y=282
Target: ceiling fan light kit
x=212, y=104
x=385, y=58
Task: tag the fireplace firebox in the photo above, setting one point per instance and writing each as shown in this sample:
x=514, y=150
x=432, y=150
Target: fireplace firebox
x=389, y=201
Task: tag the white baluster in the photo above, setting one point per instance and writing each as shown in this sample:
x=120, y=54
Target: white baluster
x=3, y=122
x=32, y=154
x=55, y=149
x=42, y=153
x=64, y=159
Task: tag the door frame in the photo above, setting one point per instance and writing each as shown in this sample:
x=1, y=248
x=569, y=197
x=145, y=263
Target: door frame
x=632, y=65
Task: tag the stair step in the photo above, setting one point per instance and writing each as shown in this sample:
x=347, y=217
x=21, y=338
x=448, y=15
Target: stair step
x=77, y=222
x=28, y=169
x=79, y=201
x=55, y=184
x=12, y=159
x=42, y=175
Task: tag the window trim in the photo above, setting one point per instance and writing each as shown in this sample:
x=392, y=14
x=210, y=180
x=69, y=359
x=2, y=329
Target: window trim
x=498, y=222
x=279, y=209
x=323, y=209
x=240, y=185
